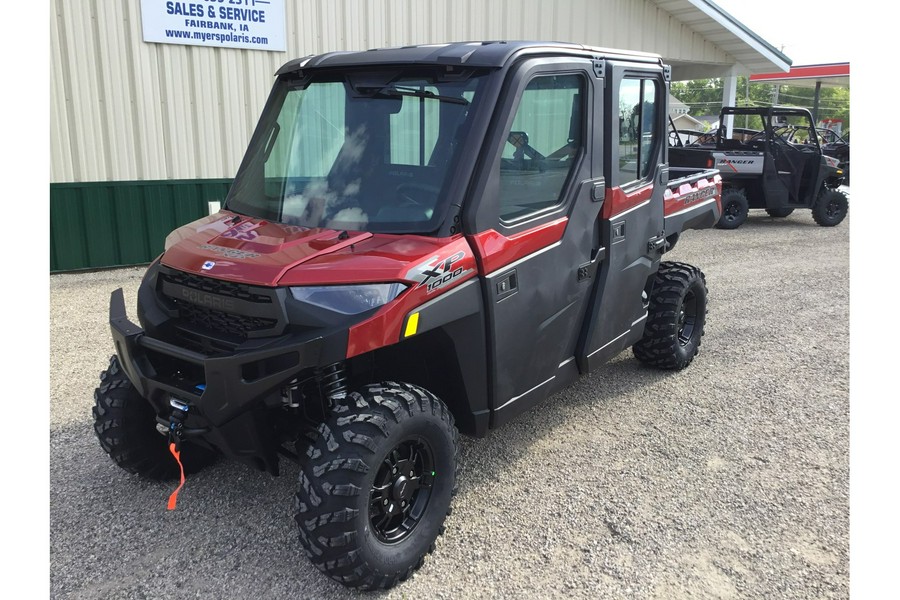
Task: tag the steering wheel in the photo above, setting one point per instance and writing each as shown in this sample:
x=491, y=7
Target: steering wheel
x=779, y=138
x=519, y=139
x=779, y=144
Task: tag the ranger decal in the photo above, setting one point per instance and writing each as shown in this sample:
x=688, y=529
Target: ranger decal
x=701, y=194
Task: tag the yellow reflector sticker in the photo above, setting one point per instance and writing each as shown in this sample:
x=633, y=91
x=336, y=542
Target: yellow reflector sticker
x=412, y=325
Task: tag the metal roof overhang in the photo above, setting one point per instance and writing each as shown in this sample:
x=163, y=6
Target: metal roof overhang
x=752, y=54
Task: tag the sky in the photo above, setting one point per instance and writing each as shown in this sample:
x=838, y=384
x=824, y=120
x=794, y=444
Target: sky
x=809, y=32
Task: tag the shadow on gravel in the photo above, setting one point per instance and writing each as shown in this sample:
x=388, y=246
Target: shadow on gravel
x=111, y=535
x=801, y=218
x=504, y=446
x=764, y=222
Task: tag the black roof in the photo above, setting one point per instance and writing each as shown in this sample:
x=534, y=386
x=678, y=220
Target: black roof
x=470, y=54
x=765, y=110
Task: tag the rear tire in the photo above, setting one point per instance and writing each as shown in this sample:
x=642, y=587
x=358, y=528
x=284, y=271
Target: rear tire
x=376, y=485
x=675, y=319
x=734, y=209
x=779, y=213
x=125, y=424
x=831, y=208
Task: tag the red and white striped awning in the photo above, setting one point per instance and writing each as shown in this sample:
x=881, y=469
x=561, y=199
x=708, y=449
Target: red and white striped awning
x=834, y=74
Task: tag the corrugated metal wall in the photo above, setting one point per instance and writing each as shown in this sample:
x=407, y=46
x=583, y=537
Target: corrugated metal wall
x=125, y=110
x=104, y=224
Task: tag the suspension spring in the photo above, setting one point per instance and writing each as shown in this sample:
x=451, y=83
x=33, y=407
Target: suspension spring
x=333, y=381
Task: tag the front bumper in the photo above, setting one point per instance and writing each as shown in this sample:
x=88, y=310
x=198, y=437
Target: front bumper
x=228, y=396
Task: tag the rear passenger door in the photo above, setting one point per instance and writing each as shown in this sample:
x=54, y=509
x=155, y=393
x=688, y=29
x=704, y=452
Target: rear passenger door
x=631, y=223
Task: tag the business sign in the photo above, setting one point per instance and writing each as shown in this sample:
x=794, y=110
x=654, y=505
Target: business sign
x=250, y=24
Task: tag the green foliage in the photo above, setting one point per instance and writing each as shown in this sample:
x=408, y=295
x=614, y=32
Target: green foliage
x=704, y=97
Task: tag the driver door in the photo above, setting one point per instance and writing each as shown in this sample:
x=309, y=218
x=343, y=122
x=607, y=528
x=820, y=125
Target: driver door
x=537, y=246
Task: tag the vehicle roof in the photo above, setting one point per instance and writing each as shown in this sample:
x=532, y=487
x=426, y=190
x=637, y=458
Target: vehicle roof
x=470, y=54
x=764, y=110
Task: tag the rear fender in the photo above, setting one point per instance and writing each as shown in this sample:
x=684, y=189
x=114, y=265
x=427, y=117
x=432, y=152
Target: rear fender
x=694, y=204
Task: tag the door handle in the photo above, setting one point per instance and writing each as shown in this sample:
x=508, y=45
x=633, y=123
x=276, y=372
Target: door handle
x=657, y=244
x=507, y=285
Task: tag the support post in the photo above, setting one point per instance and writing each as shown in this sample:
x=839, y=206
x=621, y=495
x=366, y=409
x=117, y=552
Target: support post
x=729, y=98
x=815, y=110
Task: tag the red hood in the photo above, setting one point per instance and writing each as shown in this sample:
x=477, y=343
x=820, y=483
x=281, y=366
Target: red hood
x=263, y=253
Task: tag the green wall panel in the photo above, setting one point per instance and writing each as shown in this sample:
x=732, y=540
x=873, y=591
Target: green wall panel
x=118, y=223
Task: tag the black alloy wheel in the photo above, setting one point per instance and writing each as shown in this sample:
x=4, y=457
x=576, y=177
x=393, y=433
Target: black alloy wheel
x=831, y=208
x=687, y=318
x=401, y=491
x=734, y=209
x=376, y=483
x=676, y=317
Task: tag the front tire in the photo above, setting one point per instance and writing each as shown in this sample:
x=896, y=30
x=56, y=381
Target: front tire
x=376, y=485
x=675, y=319
x=831, y=207
x=735, y=209
x=125, y=425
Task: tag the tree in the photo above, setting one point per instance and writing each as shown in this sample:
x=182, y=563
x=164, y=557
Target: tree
x=704, y=97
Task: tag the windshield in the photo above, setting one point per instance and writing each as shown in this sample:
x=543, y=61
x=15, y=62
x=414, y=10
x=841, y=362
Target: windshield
x=363, y=150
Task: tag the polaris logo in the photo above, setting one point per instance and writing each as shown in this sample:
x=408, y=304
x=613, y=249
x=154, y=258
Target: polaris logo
x=208, y=265
x=208, y=300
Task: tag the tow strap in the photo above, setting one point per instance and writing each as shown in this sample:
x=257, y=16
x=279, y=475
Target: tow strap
x=176, y=433
x=173, y=499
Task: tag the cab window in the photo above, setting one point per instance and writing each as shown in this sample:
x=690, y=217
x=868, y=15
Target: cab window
x=638, y=112
x=542, y=145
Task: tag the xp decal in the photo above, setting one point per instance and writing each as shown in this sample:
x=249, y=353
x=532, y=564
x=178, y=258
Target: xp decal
x=437, y=272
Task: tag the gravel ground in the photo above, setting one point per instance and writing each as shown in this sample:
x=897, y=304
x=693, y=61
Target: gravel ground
x=729, y=479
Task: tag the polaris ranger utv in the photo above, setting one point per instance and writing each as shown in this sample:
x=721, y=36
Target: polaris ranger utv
x=419, y=241
x=780, y=169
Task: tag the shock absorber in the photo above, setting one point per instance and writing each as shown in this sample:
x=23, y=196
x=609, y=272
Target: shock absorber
x=333, y=381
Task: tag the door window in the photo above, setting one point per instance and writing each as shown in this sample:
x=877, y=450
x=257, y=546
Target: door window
x=542, y=145
x=638, y=112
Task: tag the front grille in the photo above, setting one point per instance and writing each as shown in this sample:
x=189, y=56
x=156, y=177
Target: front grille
x=219, y=307
x=216, y=286
x=223, y=321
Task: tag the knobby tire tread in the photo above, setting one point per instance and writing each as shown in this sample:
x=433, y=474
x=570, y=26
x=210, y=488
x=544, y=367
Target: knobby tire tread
x=125, y=425
x=660, y=345
x=336, y=469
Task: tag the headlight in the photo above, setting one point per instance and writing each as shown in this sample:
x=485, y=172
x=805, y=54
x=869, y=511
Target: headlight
x=832, y=162
x=348, y=299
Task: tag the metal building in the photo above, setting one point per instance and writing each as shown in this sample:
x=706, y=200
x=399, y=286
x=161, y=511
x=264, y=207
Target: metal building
x=144, y=134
